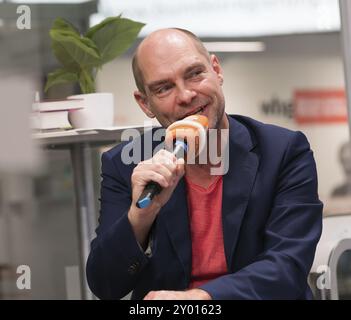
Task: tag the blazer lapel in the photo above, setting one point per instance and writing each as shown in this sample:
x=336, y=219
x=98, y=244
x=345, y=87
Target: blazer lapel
x=237, y=185
x=175, y=216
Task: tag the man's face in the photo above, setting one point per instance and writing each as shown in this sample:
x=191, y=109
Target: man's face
x=180, y=81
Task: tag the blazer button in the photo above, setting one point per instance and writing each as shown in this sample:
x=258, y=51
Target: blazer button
x=134, y=268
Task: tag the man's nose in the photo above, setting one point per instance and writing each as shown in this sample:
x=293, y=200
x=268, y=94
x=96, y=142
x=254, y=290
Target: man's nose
x=185, y=95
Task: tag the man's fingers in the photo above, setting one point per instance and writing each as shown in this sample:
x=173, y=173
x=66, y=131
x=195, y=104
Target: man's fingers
x=157, y=172
x=180, y=167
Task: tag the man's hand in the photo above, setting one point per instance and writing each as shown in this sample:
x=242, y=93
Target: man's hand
x=166, y=170
x=193, y=294
x=163, y=168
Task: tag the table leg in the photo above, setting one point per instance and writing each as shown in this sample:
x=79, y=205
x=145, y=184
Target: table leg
x=85, y=206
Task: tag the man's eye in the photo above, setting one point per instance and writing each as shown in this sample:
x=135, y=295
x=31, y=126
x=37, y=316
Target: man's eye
x=163, y=89
x=195, y=73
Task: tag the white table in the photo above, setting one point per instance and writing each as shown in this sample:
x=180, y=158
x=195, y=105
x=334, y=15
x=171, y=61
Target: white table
x=79, y=143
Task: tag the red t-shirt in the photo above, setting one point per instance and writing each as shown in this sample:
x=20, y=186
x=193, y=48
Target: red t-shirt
x=205, y=214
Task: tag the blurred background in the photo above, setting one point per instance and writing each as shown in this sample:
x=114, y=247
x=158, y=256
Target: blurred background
x=283, y=64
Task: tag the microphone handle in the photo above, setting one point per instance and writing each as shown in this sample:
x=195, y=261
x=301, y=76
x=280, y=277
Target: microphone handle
x=153, y=188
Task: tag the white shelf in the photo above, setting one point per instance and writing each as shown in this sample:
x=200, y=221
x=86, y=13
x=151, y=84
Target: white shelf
x=89, y=135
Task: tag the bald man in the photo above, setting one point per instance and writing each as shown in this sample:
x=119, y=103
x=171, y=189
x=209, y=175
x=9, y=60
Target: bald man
x=249, y=233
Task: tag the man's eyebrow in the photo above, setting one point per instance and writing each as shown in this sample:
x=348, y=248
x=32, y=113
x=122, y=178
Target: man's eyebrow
x=153, y=85
x=194, y=66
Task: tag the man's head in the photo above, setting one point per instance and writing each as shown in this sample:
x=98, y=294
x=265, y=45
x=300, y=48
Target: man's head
x=176, y=77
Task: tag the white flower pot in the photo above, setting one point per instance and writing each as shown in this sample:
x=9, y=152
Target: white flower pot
x=98, y=111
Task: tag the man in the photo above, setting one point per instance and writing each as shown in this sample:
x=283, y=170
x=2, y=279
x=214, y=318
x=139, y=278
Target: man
x=249, y=234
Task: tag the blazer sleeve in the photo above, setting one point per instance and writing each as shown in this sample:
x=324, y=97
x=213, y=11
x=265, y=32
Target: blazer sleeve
x=291, y=234
x=116, y=260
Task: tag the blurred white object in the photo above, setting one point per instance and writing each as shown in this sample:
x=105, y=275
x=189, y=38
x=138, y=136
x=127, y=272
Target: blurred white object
x=229, y=18
x=20, y=154
x=50, y=120
x=53, y=114
x=97, y=113
x=72, y=283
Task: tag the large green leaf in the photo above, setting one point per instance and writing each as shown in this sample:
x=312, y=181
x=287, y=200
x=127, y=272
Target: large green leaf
x=82, y=56
x=74, y=52
x=101, y=25
x=113, y=36
x=86, y=81
x=60, y=76
x=63, y=25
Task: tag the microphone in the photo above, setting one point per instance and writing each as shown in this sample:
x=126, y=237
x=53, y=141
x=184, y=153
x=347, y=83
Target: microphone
x=188, y=137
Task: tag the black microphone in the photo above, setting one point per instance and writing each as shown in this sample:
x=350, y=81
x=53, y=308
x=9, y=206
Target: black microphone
x=153, y=188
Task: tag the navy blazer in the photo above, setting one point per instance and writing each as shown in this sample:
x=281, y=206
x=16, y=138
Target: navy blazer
x=271, y=216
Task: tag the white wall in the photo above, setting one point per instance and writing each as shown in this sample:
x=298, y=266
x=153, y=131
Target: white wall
x=250, y=81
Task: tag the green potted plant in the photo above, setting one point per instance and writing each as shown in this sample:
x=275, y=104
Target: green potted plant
x=82, y=56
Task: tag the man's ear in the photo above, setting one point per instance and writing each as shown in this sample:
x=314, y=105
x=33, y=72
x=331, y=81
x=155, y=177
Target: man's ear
x=143, y=102
x=217, y=68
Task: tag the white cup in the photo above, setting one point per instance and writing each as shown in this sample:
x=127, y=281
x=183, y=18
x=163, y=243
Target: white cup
x=98, y=111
